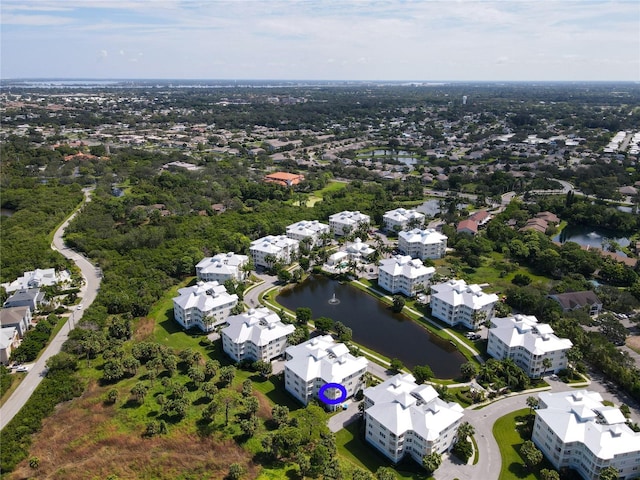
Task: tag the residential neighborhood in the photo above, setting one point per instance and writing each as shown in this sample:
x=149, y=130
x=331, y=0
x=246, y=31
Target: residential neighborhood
x=501, y=228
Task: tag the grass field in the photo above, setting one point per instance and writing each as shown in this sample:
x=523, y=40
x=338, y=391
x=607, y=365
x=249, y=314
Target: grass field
x=510, y=433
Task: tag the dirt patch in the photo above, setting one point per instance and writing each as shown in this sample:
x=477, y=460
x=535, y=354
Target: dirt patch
x=144, y=329
x=82, y=441
x=633, y=343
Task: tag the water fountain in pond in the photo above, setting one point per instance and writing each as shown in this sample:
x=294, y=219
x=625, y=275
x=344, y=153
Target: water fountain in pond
x=333, y=300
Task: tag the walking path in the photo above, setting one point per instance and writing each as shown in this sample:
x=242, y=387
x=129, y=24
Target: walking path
x=88, y=293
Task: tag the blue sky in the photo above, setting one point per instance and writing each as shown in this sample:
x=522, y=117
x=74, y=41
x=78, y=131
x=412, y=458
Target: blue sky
x=508, y=40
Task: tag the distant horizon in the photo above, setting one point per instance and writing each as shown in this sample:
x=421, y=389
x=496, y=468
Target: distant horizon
x=291, y=80
x=306, y=40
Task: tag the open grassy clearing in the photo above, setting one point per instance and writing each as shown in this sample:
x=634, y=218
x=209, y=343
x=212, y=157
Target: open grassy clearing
x=633, y=343
x=510, y=432
x=89, y=436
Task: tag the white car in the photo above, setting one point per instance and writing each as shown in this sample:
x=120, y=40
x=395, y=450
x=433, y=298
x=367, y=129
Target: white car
x=80, y=307
x=22, y=368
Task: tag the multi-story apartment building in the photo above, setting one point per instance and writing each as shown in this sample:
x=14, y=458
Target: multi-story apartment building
x=456, y=303
x=273, y=248
x=401, y=219
x=422, y=244
x=346, y=222
x=528, y=343
x=312, y=364
x=402, y=274
x=204, y=305
x=576, y=430
x=311, y=229
x=222, y=267
x=404, y=418
x=258, y=334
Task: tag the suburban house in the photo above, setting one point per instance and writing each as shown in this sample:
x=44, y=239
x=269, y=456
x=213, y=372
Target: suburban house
x=311, y=229
x=346, y=222
x=402, y=274
x=31, y=297
x=422, y=244
x=16, y=317
x=481, y=217
x=222, y=267
x=528, y=343
x=283, y=178
x=536, y=224
x=577, y=300
x=404, y=418
x=258, y=334
x=472, y=224
x=456, y=303
x=577, y=430
x=268, y=250
x=548, y=217
x=401, y=219
x=8, y=341
x=204, y=305
x=37, y=278
x=467, y=226
x=312, y=364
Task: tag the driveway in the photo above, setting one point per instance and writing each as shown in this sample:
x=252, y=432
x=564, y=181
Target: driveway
x=88, y=293
x=345, y=417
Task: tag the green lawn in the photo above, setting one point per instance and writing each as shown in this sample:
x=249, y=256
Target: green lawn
x=330, y=187
x=509, y=432
x=353, y=448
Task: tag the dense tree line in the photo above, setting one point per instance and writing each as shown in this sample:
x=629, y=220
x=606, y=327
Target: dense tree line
x=37, y=210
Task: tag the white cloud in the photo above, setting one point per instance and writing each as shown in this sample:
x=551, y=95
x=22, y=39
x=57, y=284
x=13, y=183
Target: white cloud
x=427, y=39
x=34, y=20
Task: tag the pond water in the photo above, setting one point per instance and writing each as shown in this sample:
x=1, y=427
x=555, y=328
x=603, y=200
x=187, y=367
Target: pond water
x=402, y=156
x=593, y=237
x=374, y=325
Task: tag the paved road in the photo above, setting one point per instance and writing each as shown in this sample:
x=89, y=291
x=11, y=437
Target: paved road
x=252, y=298
x=489, y=464
x=37, y=371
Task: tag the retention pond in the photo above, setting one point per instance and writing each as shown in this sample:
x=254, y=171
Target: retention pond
x=374, y=325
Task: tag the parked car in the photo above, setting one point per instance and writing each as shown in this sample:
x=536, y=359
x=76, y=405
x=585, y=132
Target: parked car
x=22, y=368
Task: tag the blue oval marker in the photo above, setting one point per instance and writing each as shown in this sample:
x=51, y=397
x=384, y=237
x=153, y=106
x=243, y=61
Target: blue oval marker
x=332, y=401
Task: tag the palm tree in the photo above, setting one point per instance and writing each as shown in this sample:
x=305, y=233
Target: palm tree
x=532, y=403
x=466, y=430
x=270, y=259
x=546, y=364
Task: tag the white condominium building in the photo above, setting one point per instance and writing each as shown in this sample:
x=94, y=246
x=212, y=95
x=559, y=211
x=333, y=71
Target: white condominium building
x=422, y=244
x=359, y=251
x=204, y=305
x=307, y=229
x=319, y=361
x=576, y=430
x=401, y=219
x=346, y=222
x=222, y=267
x=258, y=334
x=402, y=274
x=404, y=418
x=454, y=302
x=528, y=343
x=268, y=250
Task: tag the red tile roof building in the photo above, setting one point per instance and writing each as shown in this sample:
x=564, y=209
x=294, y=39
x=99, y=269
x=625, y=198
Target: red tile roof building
x=284, y=178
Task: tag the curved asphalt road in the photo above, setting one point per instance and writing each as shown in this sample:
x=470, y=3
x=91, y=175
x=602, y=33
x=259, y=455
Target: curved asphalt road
x=37, y=370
